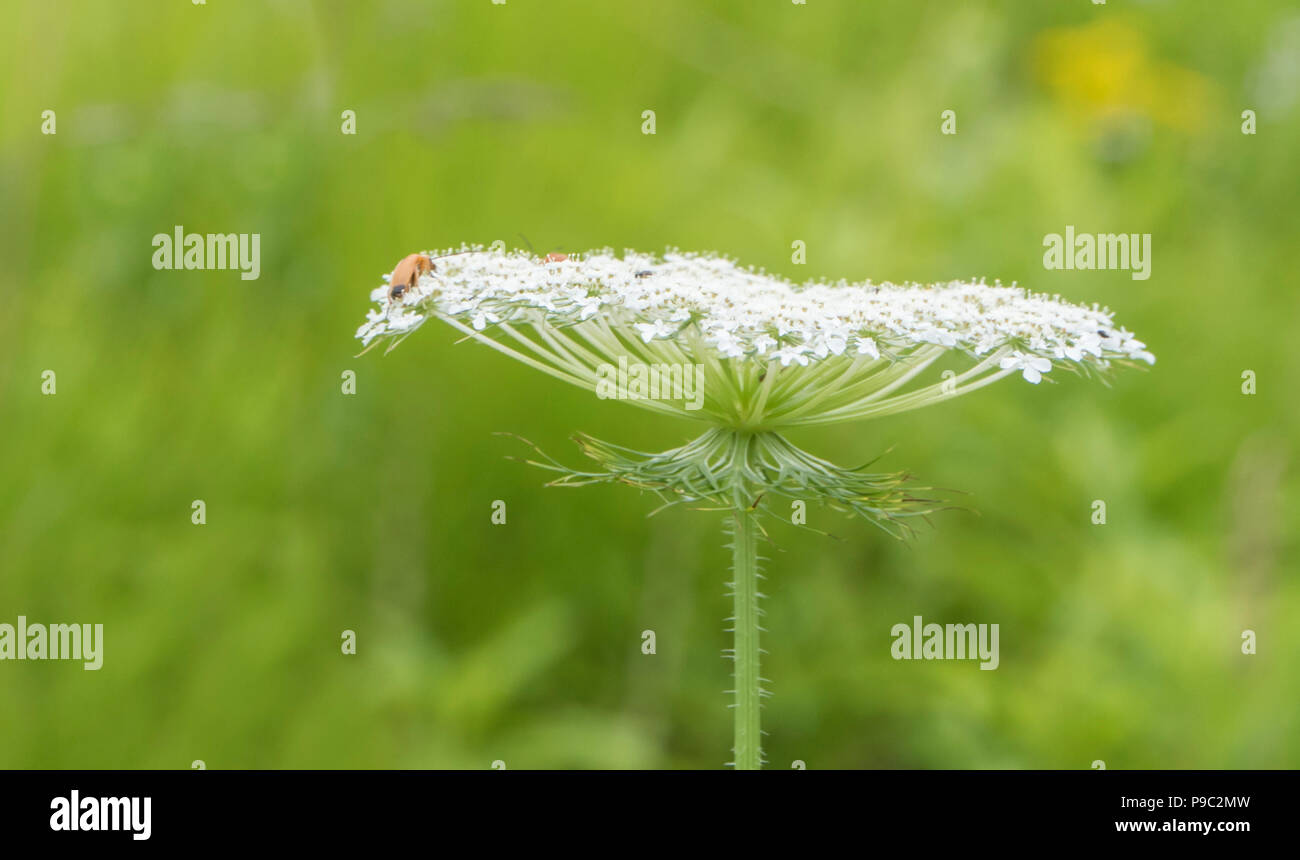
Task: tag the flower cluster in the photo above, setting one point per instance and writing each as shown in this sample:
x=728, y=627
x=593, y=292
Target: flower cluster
x=705, y=308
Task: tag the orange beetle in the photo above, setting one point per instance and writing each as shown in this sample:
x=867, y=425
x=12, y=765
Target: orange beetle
x=555, y=258
x=407, y=273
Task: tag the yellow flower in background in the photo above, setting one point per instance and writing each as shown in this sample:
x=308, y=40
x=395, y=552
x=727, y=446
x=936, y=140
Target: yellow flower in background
x=1105, y=72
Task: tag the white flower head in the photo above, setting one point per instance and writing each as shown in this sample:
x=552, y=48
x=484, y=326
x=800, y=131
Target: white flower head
x=774, y=353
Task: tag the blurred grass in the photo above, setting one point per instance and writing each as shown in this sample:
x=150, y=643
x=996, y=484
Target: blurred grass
x=522, y=642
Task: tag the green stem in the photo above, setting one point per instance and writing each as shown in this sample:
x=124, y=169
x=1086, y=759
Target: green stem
x=748, y=749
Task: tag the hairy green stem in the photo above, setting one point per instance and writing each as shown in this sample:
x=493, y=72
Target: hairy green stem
x=748, y=749
x=736, y=471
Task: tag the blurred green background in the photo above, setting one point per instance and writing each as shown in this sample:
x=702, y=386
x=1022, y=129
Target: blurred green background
x=521, y=643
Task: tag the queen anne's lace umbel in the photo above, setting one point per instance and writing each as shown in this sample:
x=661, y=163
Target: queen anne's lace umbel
x=761, y=355
x=862, y=344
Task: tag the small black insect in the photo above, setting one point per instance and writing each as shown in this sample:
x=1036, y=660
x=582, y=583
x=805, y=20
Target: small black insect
x=644, y=273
